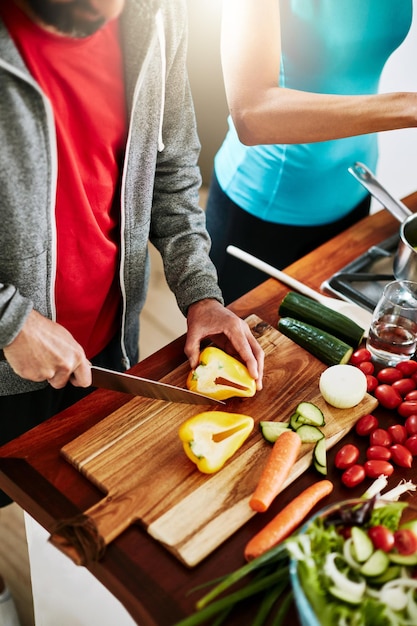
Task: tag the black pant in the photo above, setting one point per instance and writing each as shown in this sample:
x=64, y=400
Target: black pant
x=21, y=412
x=276, y=244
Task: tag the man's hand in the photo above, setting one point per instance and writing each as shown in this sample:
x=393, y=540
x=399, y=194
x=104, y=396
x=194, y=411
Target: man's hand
x=208, y=318
x=45, y=350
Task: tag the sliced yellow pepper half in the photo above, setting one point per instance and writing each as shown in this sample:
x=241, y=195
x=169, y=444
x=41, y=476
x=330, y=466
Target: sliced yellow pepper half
x=209, y=439
x=220, y=376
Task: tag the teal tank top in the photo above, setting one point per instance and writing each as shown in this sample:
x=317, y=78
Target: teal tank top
x=328, y=46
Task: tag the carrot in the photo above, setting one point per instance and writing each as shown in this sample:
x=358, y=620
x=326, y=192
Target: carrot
x=287, y=520
x=278, y=466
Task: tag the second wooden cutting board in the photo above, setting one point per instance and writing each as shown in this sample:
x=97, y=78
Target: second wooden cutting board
x=136, y=458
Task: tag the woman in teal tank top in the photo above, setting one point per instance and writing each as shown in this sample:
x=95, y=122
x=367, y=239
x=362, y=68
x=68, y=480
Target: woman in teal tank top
x=301, y=79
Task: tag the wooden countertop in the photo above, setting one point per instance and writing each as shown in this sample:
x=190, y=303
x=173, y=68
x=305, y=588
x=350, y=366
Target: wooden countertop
x=151, y=583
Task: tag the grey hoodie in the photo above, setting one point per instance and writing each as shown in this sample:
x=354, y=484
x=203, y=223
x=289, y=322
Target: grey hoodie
x=159, y=196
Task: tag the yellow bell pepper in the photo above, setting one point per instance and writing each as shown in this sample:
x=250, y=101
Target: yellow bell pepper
x=220, y=376
x=209, y=439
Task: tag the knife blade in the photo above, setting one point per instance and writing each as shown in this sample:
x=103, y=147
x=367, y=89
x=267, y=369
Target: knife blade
x=135, y=385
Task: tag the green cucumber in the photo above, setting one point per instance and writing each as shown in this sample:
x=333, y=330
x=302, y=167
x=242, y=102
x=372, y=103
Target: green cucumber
x=403, y=559
x=328, y=348
x=376, y=565
x=344, y=595
x=309, y=434
x=272, y=430
x=316, y=314
x=320, y=456
x=309, y=413
x=362, y=546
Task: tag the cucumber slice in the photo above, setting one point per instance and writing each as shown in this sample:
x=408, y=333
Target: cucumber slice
x=362, y=546
x=391, y=573
x=308, y=310
x=320, y=456
x=272, y=430
x=324, y=346
x=403, y=559
x=309, y=413
x=376, y=565
x=344, y=595
x=309, y=434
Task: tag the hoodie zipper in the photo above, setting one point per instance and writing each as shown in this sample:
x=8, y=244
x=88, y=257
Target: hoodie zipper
x=160, y=34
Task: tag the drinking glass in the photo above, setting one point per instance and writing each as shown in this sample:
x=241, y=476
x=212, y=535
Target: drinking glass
x=393, y=332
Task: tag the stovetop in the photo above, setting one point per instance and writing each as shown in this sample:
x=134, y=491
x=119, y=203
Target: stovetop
x=363, y=280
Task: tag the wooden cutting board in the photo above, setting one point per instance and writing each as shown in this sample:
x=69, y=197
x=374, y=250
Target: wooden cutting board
x=136, y=458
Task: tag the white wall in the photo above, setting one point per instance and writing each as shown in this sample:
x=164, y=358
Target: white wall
x=398, y=149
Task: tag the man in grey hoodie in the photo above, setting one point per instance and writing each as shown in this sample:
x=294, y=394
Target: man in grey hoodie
x=98, y=155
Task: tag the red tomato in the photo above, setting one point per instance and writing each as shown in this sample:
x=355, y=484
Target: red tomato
x=404, y=386
x=367, y=367
x=401, y=455
x=353, y=475
x=389, y=375
x=346, y=456
x=387, y=396
x=378, y=452
x=359, y=356
x=407, y=368
x=381, y=537
x=405, y=541
x=407, y=408
x=380, y=437
x=411, y=395
x=371, y=383
x=411, y=424
x=377, y=467
x=398, y=433
x=366, y=424
x=411, y=444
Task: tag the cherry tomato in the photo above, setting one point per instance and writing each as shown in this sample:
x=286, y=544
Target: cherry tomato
x=367, y=367
x=371, y=383
x=380, y=437
x=366, y=424
x=407, y=368
x=381, y=537
x=407, y=408
x=353, y=475
x=389, y=375
x=387, y=396
x=401, y=455
x=411, y=424
x=411, y=395
x=346, y=456
x=359, y=356
x=398, y=433
x=405, y=541
x=375, y=467
x=411, y=444
x=378, y=452
x=404, y=386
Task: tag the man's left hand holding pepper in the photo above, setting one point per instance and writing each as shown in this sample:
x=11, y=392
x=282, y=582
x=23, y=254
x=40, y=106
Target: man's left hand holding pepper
x=209, y=318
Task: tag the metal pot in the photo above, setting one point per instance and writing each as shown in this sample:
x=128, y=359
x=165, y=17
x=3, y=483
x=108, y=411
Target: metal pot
x=405, y=260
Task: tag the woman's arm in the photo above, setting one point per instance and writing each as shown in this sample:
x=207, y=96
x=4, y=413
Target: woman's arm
x=264, y=113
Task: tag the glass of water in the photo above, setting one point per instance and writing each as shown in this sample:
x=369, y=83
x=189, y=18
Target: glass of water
x=393, y=332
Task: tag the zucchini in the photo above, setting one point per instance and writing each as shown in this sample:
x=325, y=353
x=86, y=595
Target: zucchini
x=316, y=314
x=324, y=346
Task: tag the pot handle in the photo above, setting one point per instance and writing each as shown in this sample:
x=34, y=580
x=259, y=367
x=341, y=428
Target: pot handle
x=368, y=180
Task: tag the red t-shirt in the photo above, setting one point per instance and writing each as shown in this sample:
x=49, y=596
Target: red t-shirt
x=83, y=79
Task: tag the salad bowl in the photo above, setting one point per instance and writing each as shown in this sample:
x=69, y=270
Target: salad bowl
x=390, y=595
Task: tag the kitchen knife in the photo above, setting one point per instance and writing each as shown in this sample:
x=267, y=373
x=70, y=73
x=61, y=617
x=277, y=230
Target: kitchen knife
x=127, y=383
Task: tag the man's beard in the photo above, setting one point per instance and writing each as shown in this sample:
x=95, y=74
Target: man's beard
x=64, y=17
